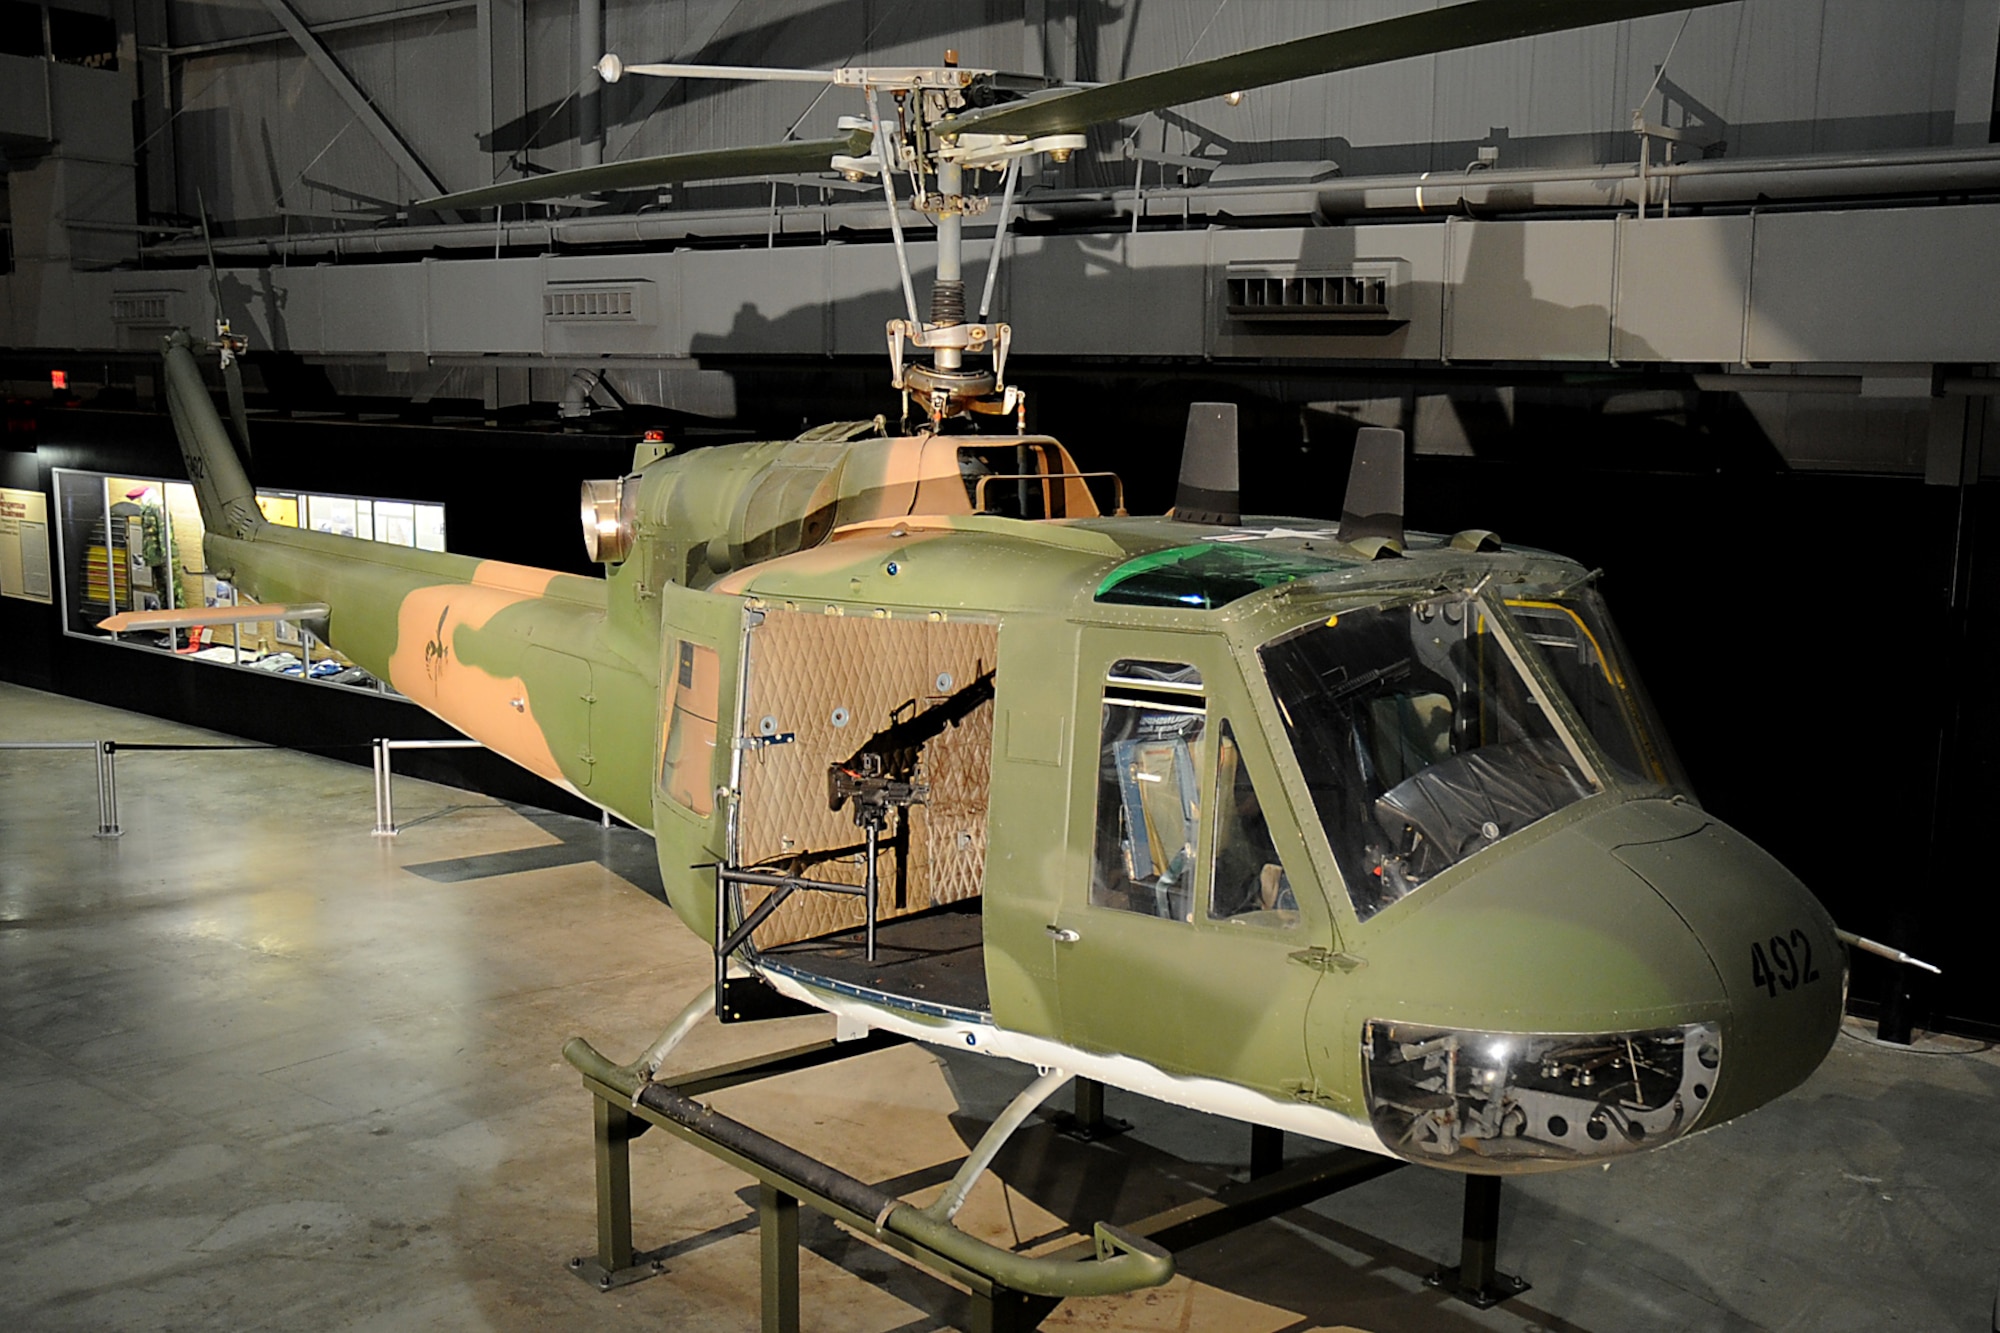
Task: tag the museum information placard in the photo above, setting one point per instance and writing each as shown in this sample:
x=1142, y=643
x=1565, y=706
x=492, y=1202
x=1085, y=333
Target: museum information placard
x=24, y=545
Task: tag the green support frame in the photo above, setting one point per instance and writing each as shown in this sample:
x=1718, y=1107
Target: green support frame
x=616, y=1120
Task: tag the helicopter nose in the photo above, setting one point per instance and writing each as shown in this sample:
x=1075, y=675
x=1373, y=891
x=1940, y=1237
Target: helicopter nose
x=1592, y=991
x=1774, y=948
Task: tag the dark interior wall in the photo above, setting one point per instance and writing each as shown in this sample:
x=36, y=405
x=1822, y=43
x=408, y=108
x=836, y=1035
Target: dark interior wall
x=1792, y=627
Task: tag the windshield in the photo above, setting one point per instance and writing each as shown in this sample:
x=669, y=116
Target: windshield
x=1420, y=738
x=1573, y=633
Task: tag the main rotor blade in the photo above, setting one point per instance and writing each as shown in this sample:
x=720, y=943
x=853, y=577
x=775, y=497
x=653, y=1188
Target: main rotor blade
x=749, y=73
x=1426, y=33
x=718, y=164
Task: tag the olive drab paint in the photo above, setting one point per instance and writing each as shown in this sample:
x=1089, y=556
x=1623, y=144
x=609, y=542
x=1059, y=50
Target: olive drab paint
x=1609, y=939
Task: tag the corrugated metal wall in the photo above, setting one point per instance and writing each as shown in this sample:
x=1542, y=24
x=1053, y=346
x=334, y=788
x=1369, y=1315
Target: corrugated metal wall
x=262, y=132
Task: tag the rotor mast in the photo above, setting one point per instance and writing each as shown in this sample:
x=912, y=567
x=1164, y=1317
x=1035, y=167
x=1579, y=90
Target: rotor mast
x=912, y=142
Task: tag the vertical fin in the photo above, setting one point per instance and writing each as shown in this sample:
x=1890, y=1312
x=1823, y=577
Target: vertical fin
x=1210, y=489
x=228, y=504
x=1373, y=506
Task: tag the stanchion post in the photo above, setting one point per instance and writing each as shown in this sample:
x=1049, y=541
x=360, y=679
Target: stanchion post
x=1088, y=1123
x=107, y=790
x=385, y=818
x=1475, y=1280
x=613, y=1131
x=1267, y=1151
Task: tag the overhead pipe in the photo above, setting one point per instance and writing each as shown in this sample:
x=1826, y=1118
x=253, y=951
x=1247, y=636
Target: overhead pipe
x=1609, y=186
x=1621, y=185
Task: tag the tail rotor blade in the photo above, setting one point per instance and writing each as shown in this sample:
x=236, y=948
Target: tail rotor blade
x=214, y=274
x=229, y=345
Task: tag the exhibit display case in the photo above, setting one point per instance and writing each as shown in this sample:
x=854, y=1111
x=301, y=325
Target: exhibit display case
x=130, y=543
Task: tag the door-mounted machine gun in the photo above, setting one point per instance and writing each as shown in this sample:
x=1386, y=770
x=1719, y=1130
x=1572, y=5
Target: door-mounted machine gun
x=880, y=776
x=883, y=772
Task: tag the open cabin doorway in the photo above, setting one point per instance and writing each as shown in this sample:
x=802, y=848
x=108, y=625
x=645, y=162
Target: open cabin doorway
x=823, y=685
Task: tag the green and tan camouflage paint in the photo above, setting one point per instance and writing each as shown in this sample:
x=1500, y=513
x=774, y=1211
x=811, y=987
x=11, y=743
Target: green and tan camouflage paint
x=1617, y=913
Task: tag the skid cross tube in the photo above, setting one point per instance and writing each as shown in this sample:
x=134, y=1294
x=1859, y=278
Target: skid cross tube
x=1004, y=1285
x=1010, y=1291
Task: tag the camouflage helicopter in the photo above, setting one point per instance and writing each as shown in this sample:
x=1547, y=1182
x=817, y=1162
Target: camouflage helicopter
x=1363, y=834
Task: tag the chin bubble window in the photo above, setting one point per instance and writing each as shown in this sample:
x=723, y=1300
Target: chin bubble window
x=1148, y=801
x=1508, y=1101
x=1424, y=738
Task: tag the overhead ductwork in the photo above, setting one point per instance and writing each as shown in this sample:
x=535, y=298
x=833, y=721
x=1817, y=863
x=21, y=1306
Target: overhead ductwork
x=1656, y=188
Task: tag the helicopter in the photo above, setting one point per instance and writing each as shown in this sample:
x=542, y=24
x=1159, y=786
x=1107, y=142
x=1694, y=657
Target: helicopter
x=1364, y=834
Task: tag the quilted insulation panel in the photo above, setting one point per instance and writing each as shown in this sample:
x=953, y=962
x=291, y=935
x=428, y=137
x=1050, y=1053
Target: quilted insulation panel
x=831, y=682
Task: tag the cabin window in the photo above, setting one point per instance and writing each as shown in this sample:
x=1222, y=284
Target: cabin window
x=692, y=700
x=1248, y=885
x=1148, y=798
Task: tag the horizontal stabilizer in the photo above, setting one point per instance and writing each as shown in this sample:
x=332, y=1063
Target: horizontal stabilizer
x=245, y=613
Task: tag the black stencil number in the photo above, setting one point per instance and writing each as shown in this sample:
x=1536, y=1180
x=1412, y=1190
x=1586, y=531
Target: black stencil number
x=1788, y=964
x=1804, y=946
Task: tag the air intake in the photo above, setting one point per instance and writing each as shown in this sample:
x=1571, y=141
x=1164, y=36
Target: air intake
x=598, y=303
x=139, y=307
x=1369, y=291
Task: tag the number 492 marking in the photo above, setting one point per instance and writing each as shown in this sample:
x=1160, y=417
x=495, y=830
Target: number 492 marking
x=1789, y=963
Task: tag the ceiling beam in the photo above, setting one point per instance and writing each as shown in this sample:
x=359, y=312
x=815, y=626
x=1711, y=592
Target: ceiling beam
x=358, y=101
x=331, y=25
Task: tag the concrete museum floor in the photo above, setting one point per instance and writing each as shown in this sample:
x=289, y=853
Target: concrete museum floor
x=261, y=1069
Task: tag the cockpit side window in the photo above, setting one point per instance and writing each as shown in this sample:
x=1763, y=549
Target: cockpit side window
x=1148, y=799
x=1248, y=885
x=1580, y=647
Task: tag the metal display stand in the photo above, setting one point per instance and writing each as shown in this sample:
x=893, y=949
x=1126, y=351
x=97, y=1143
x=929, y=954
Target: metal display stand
x=616, y=1121
x=1474, y=1280
x=107, y=777
x=787, y=1178
x=1088, y=1123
